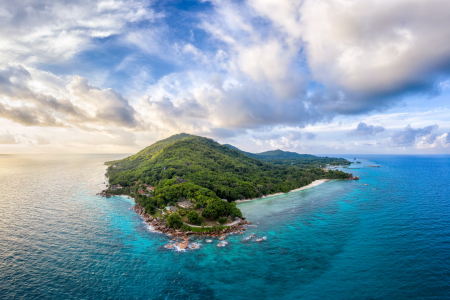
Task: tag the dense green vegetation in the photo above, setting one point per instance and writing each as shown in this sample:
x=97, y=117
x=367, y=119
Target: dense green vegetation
x=279, y=157
x=174, y=221
x=205, y=172
x=194, y=217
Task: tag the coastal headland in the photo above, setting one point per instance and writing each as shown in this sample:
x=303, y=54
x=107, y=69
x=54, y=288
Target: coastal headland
x=189, y=185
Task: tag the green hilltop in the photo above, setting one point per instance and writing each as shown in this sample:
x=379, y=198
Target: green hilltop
x=280, y=157
x=204, y=171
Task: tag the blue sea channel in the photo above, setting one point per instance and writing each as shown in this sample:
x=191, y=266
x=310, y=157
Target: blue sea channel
x=386, y=236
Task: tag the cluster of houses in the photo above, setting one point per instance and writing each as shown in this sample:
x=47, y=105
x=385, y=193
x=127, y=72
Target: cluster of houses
x=182, y=204
x=171, y=209
x=185, y=204
x=330, y=167
x=148, y=189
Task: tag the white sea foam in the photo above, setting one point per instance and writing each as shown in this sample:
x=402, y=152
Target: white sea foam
x=261, y=239
x=222, y=244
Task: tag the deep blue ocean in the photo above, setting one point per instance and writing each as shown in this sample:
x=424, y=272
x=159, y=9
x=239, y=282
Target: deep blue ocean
x=389, y=239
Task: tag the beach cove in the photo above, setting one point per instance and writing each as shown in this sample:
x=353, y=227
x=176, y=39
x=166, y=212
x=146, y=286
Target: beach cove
x=311, y=185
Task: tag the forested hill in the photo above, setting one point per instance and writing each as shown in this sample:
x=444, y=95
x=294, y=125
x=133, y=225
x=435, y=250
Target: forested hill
x=228, y=173
x=146, y=154
x=280, y=157
x=246, y=153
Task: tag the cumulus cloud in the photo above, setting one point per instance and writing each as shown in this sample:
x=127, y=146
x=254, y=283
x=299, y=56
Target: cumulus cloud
x=375, y=50
x=8, y=138
x=266, y=65
x=27, y=106
x=366, y=55
x=189, y=104
x=365, y=130
x=430, y=138
x=50, y=31
x=79, y=104
x=436, y=142
x=282, y=140
x=407, y=137
x=261, y=53
x=103, y=106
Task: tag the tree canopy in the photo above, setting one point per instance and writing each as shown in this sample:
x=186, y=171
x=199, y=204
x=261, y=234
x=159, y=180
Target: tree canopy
x=212, y=175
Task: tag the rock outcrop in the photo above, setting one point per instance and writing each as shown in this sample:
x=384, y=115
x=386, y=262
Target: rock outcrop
x=350, y=177
x=158, y=225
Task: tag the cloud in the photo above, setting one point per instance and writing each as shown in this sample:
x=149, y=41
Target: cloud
x=294, y=135
x=15, y=85
x=361, y=56
x=7, y=138
x=78, y=104
x=42, y=141
x=365, y=130
x=310, y=135
x=117, y=137
x=221, y=133
x=377, y=50
x=430, y=138
x=199, y=101
x=407, y=137
x=259, y=53
x=436, y=142
x=252, y=66
x=105, y=106
x=28, y=116
x=51, y=31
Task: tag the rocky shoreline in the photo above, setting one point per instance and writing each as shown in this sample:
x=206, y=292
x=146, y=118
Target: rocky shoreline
x=104, y=194
x=159, y=225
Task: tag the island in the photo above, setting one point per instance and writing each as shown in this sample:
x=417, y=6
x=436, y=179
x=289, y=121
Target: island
x=189, y=184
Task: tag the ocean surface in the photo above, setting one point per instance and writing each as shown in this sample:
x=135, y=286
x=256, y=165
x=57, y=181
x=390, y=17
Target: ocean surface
x=389, y=239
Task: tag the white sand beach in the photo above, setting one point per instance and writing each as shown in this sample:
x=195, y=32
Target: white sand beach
x=312, y=184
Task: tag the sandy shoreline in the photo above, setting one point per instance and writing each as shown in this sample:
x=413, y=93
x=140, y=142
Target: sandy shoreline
x=312, y=184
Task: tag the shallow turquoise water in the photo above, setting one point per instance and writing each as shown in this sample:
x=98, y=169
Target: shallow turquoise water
x=339, y=240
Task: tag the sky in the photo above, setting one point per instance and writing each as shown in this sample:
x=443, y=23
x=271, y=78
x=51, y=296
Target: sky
x=309, y=76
